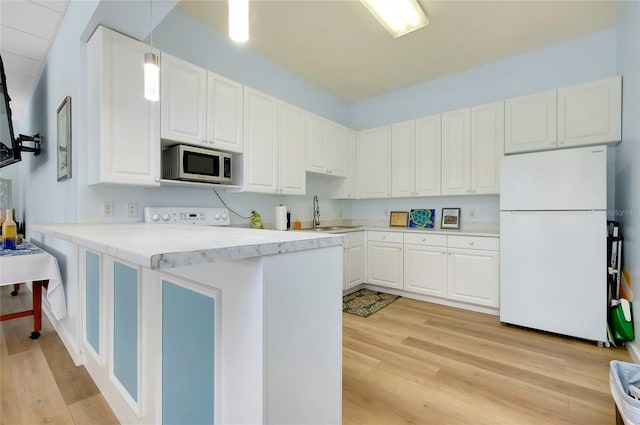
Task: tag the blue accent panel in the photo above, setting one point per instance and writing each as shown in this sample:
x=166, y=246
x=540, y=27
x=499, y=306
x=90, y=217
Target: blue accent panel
x=125, y=327
x=187, y=356
x=92, y=301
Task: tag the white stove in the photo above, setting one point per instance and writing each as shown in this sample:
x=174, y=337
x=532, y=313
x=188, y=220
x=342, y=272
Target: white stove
x=187, y=215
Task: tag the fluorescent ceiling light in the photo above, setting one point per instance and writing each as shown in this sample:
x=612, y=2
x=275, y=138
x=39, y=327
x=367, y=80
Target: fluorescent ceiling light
x=399, y=17
x=239, y=20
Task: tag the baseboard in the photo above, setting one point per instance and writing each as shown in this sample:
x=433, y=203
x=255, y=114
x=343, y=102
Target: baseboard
x=67, y=341
x=634, y=352
x=434, y=300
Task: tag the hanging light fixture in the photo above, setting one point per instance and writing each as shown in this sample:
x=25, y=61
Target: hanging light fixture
x=239, y=20
x=151, y=68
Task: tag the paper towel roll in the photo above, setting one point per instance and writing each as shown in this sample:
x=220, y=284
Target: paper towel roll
x=280, y=218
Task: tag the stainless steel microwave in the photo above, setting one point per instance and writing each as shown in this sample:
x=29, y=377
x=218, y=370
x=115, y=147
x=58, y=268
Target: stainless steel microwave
x=184, y=162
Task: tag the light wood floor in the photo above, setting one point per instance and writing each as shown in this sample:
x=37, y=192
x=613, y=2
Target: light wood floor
x=39, y=383
x=410, y=363
x=420, y=363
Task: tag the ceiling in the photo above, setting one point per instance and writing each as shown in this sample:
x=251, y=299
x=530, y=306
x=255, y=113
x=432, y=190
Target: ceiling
x=336, y=44
x=27, y=30
x=339, y=46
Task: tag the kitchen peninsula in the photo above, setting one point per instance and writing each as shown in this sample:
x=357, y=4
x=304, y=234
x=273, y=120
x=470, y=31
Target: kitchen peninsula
x=197, y=324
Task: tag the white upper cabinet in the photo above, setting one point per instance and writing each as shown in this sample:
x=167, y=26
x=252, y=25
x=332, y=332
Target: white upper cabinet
x=326, y=147
x=487, y=146
x=416, y=157
x=428, y=155
x=291, y=147
x=224, y=113
x=123, y=127
x=273, y=161
x=456, y=150
x=374, y=162
x=590, y=113
x=200, y=107
x=403, y=159
x=347, y=188
x=530, y=122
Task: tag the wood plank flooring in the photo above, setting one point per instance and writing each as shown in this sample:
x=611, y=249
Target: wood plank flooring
x=420, y=363
x=39, y=383
x=410, y=363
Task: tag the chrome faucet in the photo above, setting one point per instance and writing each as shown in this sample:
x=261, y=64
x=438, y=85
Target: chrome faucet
x=316, y=212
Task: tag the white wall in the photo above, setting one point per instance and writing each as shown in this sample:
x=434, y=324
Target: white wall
x=628, y=152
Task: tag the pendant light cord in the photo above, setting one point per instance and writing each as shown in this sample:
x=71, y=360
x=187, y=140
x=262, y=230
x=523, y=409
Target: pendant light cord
x=151, y=23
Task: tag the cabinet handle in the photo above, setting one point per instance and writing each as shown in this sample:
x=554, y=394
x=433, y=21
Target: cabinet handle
x=424, y=239
x=204, y=140
x=211, y=141
x=470, y=242
x=384, y=237
x=449, y=253
x=444, y=252
x=157, y=179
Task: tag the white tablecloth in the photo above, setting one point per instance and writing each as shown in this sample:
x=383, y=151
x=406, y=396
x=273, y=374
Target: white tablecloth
x=26, y=266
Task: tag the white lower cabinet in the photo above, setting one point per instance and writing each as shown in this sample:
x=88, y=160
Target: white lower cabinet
x=451, y=269
x=354, y=259
x=425, y=264
x=384, y=259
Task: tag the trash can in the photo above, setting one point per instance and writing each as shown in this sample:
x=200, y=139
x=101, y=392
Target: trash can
x=622, y=376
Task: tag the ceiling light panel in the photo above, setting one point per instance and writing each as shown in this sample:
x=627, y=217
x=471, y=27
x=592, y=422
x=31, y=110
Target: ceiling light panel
x=398, y=17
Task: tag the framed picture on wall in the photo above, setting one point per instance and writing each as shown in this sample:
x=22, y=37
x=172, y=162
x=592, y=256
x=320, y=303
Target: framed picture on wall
x=450, y=218
x=63, y=118
x=398, y=218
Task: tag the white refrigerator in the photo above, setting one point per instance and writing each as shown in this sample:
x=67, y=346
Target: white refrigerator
x=553, y=241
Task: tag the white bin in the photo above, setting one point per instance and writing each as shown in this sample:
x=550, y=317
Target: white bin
x=621, y=376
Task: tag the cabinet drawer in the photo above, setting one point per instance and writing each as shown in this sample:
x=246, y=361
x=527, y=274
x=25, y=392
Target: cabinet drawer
x=422, y=239
x=354, y=237
x=474, y=242
x=378, y=236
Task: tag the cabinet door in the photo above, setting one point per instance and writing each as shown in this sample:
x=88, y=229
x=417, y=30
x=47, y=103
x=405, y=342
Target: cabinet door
x=292, y=174
x=425, y=270
x=224, y=113
x=403, y=159
x=337, y=158
x=353, y=265
x=428, y=155
x=347, y=188
x=530, y=122
x=124, y=127
x=189, y=324
x=317, y=147
x=183, y=101
x=260, y=168
x=456, y=147
x=590, y=113
x=473, y=276
x=374, y=162
x=385, y=264
x=487, y=145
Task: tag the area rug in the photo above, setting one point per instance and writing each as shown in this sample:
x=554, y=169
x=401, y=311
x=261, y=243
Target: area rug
x=365, y=302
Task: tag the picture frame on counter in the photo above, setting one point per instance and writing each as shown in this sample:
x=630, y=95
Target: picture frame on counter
x=422, y=218
x=398, y=218
x=450, y=218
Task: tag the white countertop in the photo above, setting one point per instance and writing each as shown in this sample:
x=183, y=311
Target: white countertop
x=174, y=245
x=472, y=229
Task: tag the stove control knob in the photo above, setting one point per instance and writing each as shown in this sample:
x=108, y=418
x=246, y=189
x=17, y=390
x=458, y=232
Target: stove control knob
x=155, y=217
x=225, y=216
x=216, y=216
x=165, y=217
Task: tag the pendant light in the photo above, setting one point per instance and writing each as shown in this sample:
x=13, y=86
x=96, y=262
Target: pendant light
x=151, y=68
x=239, y=20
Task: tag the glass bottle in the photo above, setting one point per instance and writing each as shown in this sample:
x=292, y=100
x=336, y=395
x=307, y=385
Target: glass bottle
x=9, y=231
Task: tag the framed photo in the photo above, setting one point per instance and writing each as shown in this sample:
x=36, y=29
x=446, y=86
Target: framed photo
x=450, y=218
x=63, y=118
x=398, y=218
x=422, y=218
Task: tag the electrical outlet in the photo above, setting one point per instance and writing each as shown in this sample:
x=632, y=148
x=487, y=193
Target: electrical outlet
x=472, y=213
x=132, y=209
x=107, y=208
x=386, y=213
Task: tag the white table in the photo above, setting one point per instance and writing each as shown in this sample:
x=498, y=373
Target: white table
x=29, y=263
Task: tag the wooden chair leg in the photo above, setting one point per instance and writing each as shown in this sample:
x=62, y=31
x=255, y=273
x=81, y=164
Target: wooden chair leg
x=16, y=288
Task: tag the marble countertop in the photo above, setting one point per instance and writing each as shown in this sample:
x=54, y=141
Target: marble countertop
x=472, y=229
x=174, y=245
